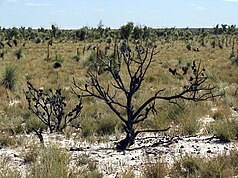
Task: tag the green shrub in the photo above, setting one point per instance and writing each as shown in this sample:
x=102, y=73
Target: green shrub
x=94, y=174
x=186, y=167
x=19, y=53
x=224, y=129
x=88, y=127
x=9, y=77
x=91, y=61
x=58, y=58
x=105, y=126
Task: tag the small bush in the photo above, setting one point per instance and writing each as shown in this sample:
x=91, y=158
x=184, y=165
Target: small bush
x=221, y=113
x=88, y=127
x=221, y=166
x=224, y=129
x=6, y=140
x=9, y=77
x=58, y=58
x=91, y=59
x=52, y=162
x=186, y=167
x=33, y=123
x=105, y=126
x=30, y=155
x=94, y=174
x=19, y=53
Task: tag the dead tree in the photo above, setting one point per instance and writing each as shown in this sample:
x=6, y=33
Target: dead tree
x=130, y=82
x=50, y=108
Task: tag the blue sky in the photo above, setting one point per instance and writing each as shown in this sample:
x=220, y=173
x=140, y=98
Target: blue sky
x=114, y=13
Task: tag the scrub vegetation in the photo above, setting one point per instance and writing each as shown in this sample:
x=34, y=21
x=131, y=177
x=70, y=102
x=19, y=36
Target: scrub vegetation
x=102, y=82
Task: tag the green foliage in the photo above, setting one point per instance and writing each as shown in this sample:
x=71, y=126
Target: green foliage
x=225, y=129
x=125, y=30
x=33, y=123
x=213, y=43
x=94, y=174
x=91, y=59
x=88, y=127
x=234, y=57
x=9, y=78
x=189, y=47
x=19, y=53
x=58, y=58
x=81, y=34
x=105, y=126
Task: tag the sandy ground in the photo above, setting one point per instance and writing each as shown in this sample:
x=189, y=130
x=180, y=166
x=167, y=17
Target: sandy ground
x=146, y=149
x=110, y=162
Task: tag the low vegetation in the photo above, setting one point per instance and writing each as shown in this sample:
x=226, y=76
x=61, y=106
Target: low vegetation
x=97, y=82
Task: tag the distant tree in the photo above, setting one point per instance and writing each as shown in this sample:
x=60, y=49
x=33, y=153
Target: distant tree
x=81, y=34
x=137, y=32
x=125, y=30
x=54, y=31
x=100, y=28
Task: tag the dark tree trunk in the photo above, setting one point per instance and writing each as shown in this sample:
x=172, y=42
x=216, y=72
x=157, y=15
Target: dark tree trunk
x=129, y=140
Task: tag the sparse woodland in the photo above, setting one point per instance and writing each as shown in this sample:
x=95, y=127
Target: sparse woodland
x=93, y=84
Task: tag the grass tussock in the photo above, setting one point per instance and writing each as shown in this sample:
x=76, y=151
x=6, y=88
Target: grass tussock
x=221, y=166
x=159, y=169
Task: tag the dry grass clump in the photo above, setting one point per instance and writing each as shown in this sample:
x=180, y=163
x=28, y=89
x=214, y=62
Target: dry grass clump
x=5, y=172
x=224, y=129
x=6, y=140
x=221, y=166
x=52, y=161
x=158, y=169
x=186, y=117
